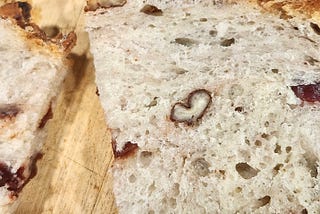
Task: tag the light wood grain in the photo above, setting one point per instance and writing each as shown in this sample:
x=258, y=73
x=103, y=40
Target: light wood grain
x=73, y=174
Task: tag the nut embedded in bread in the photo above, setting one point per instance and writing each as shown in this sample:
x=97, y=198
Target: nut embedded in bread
x=255, y=149
x=194, y=108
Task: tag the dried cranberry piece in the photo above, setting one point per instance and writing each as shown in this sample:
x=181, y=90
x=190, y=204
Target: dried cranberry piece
x=46, y=117
x=13, y=180
x=5, y=174
x=16, y=181
x=128, y=149
x=308, y=93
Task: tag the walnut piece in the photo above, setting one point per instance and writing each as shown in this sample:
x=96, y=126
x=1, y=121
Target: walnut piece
x=193, y=110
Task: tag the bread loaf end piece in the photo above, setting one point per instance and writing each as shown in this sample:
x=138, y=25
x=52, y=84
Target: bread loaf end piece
x=32, y=71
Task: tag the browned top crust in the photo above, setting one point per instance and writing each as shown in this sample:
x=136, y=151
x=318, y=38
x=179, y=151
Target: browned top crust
x=285, y=8
x=291, y=8
x=20, y=13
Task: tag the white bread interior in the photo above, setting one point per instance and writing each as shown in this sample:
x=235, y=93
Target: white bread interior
x=255, y=150
x=31, y=74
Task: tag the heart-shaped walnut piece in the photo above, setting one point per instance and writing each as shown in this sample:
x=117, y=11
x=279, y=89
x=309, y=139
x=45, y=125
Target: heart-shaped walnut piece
x=193, y=109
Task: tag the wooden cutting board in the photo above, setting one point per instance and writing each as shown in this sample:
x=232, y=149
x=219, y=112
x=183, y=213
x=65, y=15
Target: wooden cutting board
x=73, y=174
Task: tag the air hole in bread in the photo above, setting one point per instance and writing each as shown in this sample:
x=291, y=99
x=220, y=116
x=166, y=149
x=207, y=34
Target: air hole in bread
x=123, y=103
x=290, y=198
x=277, y=168
x=245, y=155
x=292, y=174
x=145, y=158
x=267, y=159
x=278, y=28
x=263, y=201
x=153, y=120
x=288, y=149
x=222, y=173
x=153, y=102
x=304, y=211
x=132, y=178
x=51, y=31
x=151, y=188
x=235, y=91
x=246, y=171
x=315, y=28
x=310, y=60
x=218, y=126
x=238, y=189
x=137, y=135
x=247, y=141
x=203, y=19
x=164, y=201
x=151, y=10
x=227, y=42
x=185, y=41
x=151, y=212
x=265, y=136
x=296, y=191
x=277, y=149
x=311, y=163
x=287, y=160
x=163, y=211
x=262, y=165
x=260, y=29
x=172, y=202
x=201, y=166
x=239, y=109
x=180, y=71
x=258, y=143
x=176, y=189
x=213, y=33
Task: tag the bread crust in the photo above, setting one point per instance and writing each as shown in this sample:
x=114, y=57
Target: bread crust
x=19, y=12
x=285, y=8
x=291, y=8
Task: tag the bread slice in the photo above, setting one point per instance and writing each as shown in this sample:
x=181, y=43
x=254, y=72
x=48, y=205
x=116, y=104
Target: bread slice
x=32, y=68
x=213, y=106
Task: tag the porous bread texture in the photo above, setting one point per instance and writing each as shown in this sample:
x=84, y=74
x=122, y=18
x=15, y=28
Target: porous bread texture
x=255, y=150
x=31, y=75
